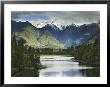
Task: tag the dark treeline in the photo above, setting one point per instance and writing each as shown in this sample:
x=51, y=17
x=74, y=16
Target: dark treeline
x=50, y=51
x=95, y=72
x=88, y=54
x=25, y=61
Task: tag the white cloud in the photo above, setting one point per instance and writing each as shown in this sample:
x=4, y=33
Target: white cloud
x=39, y=23
x=59, y=17
x=78, y=41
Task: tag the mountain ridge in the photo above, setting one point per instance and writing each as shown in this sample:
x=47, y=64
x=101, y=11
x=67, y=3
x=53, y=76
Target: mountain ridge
x=67, y=36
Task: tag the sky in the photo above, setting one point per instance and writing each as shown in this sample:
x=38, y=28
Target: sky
x=59, y=18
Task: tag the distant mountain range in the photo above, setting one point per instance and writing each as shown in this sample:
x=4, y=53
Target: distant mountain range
x=50, y=36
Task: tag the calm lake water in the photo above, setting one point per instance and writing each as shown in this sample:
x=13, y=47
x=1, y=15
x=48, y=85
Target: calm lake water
x=62, y=66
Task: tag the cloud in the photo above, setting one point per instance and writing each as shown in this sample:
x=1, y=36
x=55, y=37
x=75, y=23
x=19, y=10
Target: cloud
x=87, y=34
x=58, y=17
x=78, y=41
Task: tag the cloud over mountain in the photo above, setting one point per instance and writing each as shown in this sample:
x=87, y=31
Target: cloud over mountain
x=41, y=18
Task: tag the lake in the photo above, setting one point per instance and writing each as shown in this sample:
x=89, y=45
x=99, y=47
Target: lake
x=62, y=66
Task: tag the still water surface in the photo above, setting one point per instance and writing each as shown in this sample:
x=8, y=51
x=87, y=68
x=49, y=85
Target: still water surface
x=62, y=66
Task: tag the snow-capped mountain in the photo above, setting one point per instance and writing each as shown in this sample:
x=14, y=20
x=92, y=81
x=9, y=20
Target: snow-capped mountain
x=49, y=33
x=35, y=38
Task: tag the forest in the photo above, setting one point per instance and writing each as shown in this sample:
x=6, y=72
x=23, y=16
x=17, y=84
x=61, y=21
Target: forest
x=25, y=61
x=88, y=54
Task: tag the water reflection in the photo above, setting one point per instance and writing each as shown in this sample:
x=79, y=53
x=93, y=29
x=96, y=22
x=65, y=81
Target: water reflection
x=61, y=66
x=95, y=72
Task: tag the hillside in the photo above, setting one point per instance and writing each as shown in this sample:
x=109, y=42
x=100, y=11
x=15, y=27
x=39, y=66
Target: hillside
x=50, y=36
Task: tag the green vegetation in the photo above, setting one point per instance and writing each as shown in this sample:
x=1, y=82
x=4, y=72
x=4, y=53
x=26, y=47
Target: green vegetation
x=95, y=72
x=88, y=54
x=50, y=51
x=36, y=39
x=25, y=61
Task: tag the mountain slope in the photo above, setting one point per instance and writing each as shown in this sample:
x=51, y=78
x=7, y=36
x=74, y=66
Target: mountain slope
x=30, y=35
x=37, y=40
x=51, y=36
x=18, y=26
x=71, y=33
